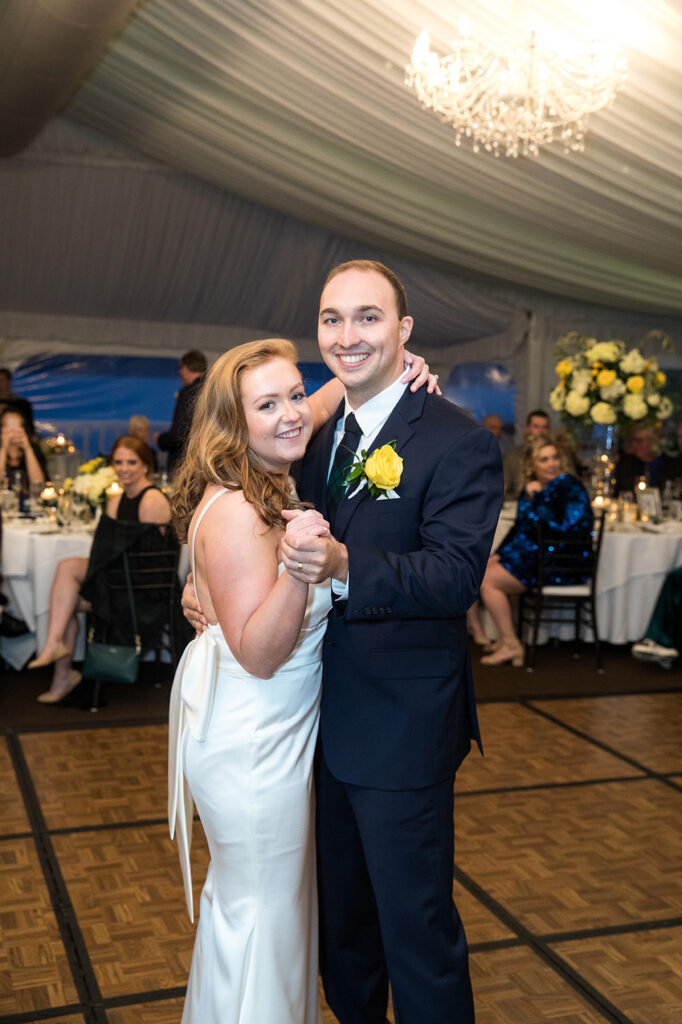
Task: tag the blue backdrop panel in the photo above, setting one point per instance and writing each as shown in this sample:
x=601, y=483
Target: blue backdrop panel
x=97, y=389
x=483, y=388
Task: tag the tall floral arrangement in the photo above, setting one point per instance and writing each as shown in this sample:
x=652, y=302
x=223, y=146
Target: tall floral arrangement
x=604, y=382
x=92, y=481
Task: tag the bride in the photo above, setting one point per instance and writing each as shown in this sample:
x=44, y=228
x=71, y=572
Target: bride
x=245, y=700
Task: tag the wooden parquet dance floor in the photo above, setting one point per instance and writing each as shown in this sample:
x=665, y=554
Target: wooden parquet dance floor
x=568, y=861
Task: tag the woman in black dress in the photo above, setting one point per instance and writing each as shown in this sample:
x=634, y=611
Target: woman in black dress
x=19, y=452
x=141, y=502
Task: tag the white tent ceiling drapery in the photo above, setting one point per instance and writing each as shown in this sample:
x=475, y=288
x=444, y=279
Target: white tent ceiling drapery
x=241, y=149
x=301, y=104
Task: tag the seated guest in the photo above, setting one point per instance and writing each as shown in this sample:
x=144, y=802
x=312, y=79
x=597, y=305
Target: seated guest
x=537, y=422
x=140, y=503
x=494, y=424
x=566, y=446
x=643, y=460
x=138, y=426
x=19, y=452
x=558, y=501
x=8, y=400
x=663, y=639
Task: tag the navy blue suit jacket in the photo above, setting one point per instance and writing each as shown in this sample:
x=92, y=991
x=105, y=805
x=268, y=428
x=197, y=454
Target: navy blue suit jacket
x=398, y=708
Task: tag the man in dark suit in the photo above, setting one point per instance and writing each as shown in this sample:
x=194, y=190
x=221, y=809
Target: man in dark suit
x=398, y=711
x=191, y=369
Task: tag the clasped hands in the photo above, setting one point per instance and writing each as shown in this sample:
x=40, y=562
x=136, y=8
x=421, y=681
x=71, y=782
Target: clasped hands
x=309, y=551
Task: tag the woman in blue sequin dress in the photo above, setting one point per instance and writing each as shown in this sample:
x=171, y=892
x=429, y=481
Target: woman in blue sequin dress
x=552, y=497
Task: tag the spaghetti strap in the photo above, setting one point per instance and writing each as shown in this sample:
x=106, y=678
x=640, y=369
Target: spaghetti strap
x=223, y=490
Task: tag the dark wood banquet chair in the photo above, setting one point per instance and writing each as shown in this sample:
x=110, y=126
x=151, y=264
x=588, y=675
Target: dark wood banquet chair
x=156, y=593
x=547, y=602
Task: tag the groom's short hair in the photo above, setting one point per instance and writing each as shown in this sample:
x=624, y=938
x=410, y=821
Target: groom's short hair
x=394, y=281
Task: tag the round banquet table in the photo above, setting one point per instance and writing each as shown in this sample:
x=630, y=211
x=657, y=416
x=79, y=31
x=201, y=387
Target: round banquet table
x=633, y=563
x=31, y=550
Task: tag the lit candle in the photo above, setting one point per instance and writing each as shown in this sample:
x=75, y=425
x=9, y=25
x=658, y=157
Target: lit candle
x=48, y=494
x=113, y=489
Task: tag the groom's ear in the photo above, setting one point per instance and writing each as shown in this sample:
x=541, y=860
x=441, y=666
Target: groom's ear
x=406, y=325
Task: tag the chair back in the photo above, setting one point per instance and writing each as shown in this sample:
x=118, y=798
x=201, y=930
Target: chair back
x=569, y=560
x=155, y=587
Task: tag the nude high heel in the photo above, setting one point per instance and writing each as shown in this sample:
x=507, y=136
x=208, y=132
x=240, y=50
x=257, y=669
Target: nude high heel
x=505, y=652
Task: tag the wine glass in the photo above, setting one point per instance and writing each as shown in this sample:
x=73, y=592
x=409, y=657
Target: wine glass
x=9, y=500
x=65, y=508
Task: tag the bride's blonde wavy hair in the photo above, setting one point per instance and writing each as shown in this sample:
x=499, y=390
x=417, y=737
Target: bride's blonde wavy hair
x=218, y=447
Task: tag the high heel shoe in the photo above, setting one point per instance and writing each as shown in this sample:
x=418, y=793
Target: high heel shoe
x=54, y=697
x=48, y=657
x=505, y=652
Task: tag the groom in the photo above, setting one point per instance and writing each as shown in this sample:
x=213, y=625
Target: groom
x=398, y=712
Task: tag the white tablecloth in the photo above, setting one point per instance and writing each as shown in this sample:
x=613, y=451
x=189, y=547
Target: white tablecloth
x=633, y=564
x=632, y=568
x=29, y=561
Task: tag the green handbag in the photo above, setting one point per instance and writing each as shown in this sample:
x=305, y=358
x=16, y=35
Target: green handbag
x=115, y=663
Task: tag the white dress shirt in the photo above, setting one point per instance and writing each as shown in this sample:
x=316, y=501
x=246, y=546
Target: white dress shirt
x=371, y=417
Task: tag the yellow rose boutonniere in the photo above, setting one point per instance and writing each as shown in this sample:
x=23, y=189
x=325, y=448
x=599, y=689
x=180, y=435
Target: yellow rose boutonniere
x=381, y=471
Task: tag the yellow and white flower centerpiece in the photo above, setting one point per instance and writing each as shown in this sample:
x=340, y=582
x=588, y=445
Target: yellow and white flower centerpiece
x=91, y=483
x=605, y=383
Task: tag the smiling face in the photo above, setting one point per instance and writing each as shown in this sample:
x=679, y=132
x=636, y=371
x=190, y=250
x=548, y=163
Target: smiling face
x=360, y=333
x=130, y=470
x=278, y=416
x=547, y=464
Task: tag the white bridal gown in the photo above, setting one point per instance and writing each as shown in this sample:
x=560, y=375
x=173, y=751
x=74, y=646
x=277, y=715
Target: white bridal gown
x=242, y=749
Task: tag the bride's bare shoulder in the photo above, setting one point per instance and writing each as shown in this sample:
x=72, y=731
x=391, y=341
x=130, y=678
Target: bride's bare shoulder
x=230, y=512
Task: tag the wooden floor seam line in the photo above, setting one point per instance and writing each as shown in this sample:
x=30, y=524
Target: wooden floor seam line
x=81, y=968
x=648, y=772
x=579, y=984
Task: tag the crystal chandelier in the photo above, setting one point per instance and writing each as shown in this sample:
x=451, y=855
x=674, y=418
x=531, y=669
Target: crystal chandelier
x=515, y=95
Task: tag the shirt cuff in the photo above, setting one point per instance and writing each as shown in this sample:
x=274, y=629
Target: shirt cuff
x=340, y=590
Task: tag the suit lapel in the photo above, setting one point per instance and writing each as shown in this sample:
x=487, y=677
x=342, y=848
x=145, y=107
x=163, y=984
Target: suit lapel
x=399, y=428
x=316, y=462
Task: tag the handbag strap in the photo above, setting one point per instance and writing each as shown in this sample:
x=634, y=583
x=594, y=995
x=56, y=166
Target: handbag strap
x=131, y=601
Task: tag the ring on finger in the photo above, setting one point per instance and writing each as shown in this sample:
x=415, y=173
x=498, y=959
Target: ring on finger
x=299, y=567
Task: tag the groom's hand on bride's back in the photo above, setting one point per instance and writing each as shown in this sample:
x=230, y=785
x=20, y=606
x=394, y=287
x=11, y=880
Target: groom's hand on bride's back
x=191, y=609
